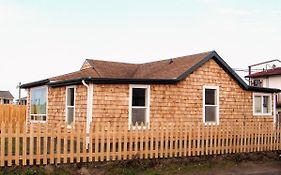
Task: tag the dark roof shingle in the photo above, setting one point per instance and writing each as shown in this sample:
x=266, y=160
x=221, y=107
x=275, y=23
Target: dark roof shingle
x=269, y=72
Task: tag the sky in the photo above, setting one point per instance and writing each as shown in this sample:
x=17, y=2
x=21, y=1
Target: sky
x=45, y=38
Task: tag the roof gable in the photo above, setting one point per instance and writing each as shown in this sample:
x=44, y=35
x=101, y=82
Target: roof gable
x=86, y=65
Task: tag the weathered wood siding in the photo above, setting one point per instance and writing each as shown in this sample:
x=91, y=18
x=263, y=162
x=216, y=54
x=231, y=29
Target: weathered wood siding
x=181, y=101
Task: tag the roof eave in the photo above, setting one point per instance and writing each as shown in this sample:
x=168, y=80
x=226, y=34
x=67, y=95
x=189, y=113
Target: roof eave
x=112, y=81
x=35, y=83
x=262, y=89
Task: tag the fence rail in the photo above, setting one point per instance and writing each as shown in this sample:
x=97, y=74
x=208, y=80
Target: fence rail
x=105, y=142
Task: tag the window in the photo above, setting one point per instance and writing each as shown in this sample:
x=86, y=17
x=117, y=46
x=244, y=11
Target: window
x=257, y=83
x=211, y=104
x=6, y=101
x=70, y=105
x=38, y=104
x=139, y=104
x=262, y=104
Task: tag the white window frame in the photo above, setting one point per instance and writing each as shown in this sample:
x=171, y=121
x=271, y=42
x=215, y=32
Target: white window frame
x=270, y=104
x=147, y=103
x=217, y=104
x=66, y=106
x=47, y=100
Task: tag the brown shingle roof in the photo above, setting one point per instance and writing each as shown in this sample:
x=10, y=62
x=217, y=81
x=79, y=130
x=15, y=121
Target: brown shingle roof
x=168, y=71
x=269, y=72
x=6, y=95
x=164, y=69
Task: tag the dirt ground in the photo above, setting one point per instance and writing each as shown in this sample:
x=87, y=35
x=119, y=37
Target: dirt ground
x=262, y=163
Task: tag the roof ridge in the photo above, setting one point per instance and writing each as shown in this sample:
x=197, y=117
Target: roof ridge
x=166, y=59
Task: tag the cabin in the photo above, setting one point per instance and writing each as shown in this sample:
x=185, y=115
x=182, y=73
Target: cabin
x=200, y=88
x=6, y=97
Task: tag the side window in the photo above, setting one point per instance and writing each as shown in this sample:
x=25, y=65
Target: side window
x=211, y=104
x=70, y=105
x=139, y=104
x=262, y=104
x=38, y=104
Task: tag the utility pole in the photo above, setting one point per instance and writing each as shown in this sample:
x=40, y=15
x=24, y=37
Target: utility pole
x=18, y=86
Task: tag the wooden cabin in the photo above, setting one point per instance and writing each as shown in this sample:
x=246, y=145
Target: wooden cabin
x=195, y=88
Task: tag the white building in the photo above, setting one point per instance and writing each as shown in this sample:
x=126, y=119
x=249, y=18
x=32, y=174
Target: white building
x=270, y=78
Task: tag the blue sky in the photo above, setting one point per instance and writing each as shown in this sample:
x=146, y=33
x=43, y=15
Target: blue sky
x=41, y=39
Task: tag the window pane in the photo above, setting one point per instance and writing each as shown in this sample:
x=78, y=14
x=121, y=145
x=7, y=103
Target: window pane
x=210, y=113
x=138, y=97
x=70, y=115
x=210, y=96
x=257, y=104
x=70, y=96
x=138, y=116
x=38, y=101
x=266, y=104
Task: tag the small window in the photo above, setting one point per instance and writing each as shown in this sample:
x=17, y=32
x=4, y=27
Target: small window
x=262, y=104
x=6, y=101
x=38, y=104
x=139, y=104
x=211, y=104
x=257, y=83
x=70, y=105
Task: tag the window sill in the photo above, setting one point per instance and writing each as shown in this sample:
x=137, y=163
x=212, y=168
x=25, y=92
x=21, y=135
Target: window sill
x=31, y=121
x=261, y=114
x=138, y=128
x=211, y=123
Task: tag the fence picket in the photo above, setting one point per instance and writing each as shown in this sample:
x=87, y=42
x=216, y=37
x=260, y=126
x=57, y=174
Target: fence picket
x=3, y=136
x=71, y=156
x=120, y=143
x=90, y=142
x=113, y=137
x=108, y=132
x=125, y=131
x=31, y=147
x=65, y=143
x=10, y=148
x=171, y=140
x=45, y=146
x=198, y=146
x=24, y=154
x=38, y=144
x=185, y=140
x=189, y=139
x=78, y=143
x=17, y=143
x=156, y=140
x=151, y=142
x=96, y=135
x=131, y=142
x=141, y=140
